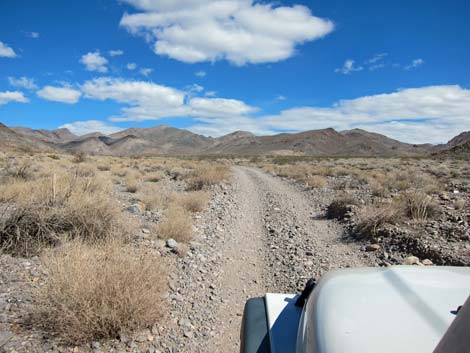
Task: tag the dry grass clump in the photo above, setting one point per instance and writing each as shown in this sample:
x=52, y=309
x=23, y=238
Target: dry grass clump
x=98, y=292
x=154, y=177
x=194, y=201
x=49, y=210
x=419, y=206
x=21, y=171
x=79, y=157
x=316, y=181
x=176, y=225
x=155, y=198
x=371, y=217
x=132, y=184
x=208, y=175
x=340, y=206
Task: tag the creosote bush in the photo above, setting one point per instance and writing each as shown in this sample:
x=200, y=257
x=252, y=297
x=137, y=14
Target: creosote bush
x=98, y=292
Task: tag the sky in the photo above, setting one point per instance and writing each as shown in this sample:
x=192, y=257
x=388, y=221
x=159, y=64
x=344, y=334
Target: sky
x=400, y=68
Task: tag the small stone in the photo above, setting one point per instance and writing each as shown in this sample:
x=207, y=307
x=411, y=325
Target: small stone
x=135, y=208
x=373, y=247
x=171, y=243
x=188, y=334
x=427, y=262
x=145, y=231
x=411, y=260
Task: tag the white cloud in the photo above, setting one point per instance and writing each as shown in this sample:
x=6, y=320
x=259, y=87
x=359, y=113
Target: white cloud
x=145, y=71
x=131, y=66
x=59, y=94
x=147, y=101
x=348, y=67
x=200, y=73
x=416, y=115
x=33, y=35
x=219, y=107
x=210, y=93
x=94, y=62
x=12, y=96
x=22, y=82
x=89, y=126
x=280, y=97
x=376, y=58
x=6, y=51
x=240, y=31
x=414, y=64
x=194, y=89
x=115, y=52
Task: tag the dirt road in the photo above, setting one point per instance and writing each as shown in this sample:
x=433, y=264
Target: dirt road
x=260, y=235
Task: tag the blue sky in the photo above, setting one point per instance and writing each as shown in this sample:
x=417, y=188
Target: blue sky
x=213, y=67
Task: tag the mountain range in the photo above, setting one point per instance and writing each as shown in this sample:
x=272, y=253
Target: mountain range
x=166, y=140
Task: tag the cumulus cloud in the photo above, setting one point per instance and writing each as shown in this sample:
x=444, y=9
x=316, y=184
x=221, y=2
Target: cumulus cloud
x=59, y=94
x=93, y=61
x=414, y=64
x=200, y=73
x=12, y=96
x=240, y=31
x=151, y=101
x=131, y=66
x=115, y=52
x=145, y=100
x=219, y=107
x=89, y=126
x=145, y=71
x=415, y=115
x=348, y=67
x=22, y=82
x=6, y=51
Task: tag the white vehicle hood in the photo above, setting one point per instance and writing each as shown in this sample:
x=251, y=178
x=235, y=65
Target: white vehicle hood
x=404, y=309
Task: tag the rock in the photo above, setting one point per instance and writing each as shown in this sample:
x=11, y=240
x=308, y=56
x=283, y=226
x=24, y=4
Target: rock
x=135, y=208
x=172, y=243
x=411, y=260
x=373, y=247
x=427, y=262
x=5, y=336
x=145, y=231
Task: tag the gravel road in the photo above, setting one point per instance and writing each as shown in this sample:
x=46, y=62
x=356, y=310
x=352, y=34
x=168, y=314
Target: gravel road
x=261, y=234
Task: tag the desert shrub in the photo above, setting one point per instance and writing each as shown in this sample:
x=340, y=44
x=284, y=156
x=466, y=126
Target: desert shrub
x=419, y=206
x=21, y=171
x=154, y=177
x=340, y=206
x=79, y=157
x=132, y=184
x=49, y=210
x=194, y=201
x=155, y=198
x=103, y=167
x=371, y=217
x=207, y=175
x=176, y=225
x=316, y=181
x=97, y=292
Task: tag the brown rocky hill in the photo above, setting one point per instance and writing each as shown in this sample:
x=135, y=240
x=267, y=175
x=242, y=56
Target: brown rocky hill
x=170, y=140
x=11, y=139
